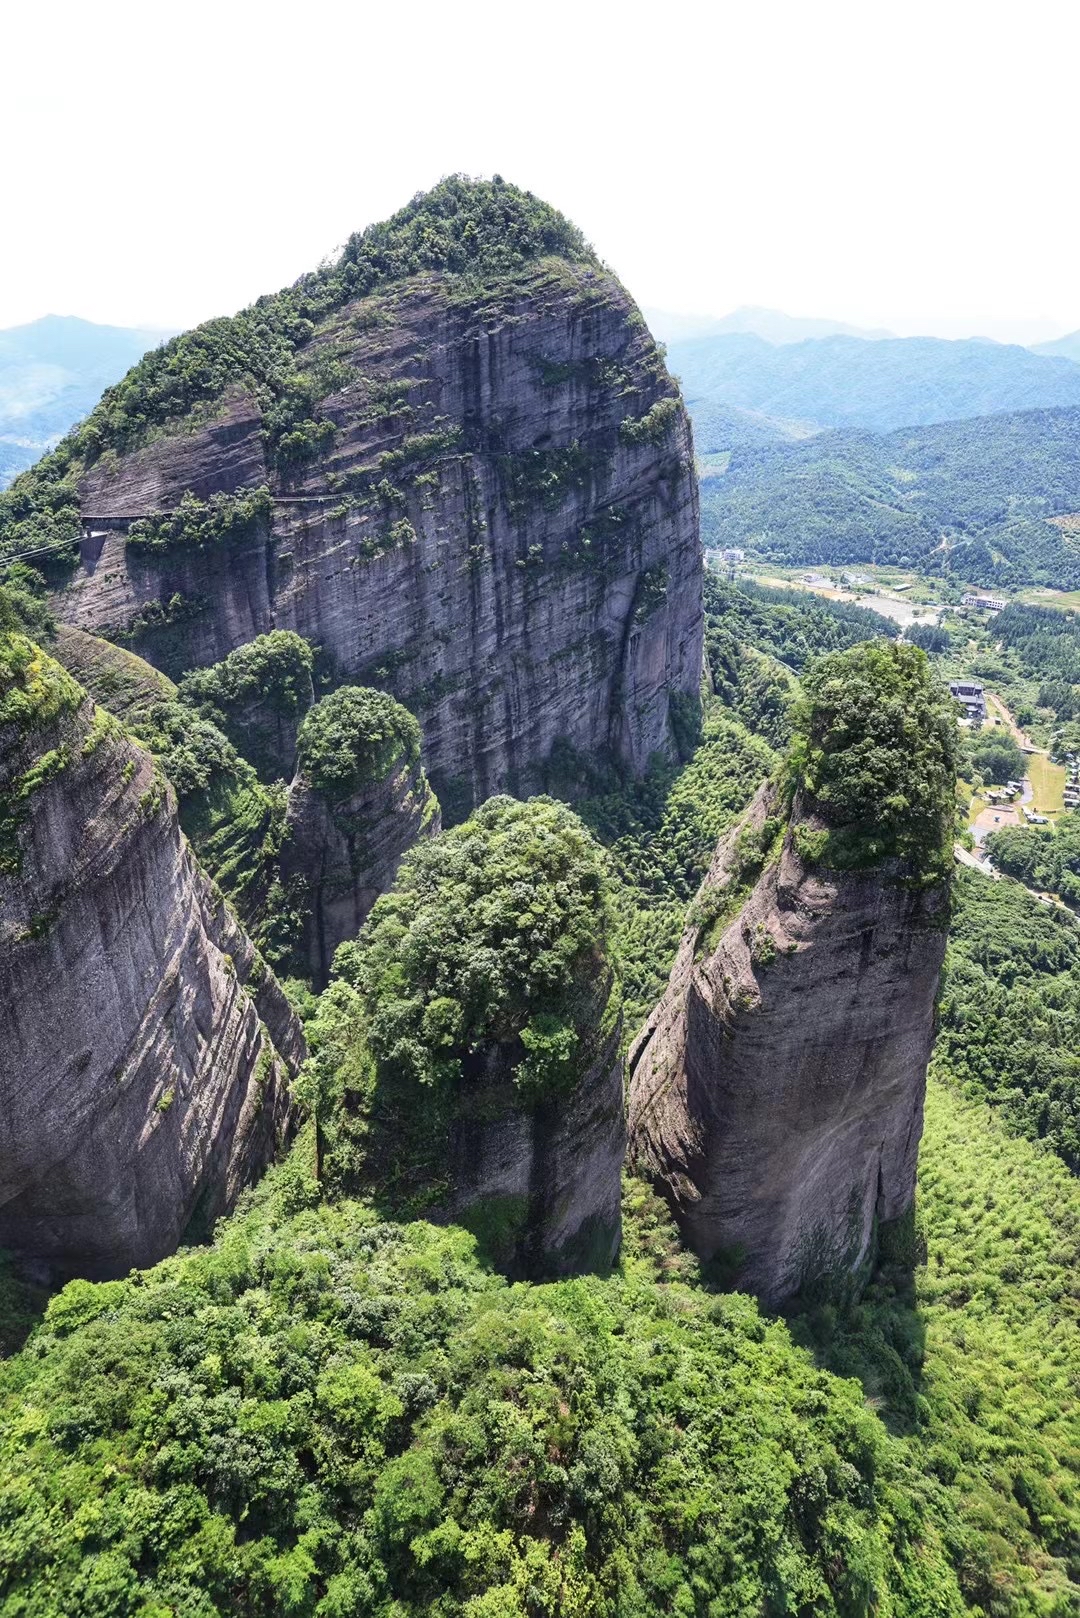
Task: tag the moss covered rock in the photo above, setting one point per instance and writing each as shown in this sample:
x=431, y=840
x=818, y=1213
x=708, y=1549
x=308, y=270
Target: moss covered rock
x=360, y=799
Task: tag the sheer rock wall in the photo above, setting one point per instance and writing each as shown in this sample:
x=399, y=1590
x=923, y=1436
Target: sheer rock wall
x=776, y=1093
x=342, y=855
x=147, y=1047
x=504, y=532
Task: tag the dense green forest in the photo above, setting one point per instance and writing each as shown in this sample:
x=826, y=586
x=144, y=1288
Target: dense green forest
x=1046, y=858
x=323, y=1413
x=1009, y=1030
x=327, y=1414
x=759, y=637
x=966, y=498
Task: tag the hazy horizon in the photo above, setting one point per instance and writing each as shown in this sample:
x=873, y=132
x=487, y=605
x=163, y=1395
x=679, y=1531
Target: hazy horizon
x=674, y=325
x=909, y=168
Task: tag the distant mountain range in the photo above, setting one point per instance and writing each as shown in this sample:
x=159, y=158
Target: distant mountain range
x=1066, y=348
x=771, y=324
x=849, y=382
x=52, y=372
x=754, y=378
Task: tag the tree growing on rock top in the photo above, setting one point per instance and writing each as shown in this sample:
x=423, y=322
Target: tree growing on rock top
x=467, y=1057
x=359, y=800
x=777, y=1090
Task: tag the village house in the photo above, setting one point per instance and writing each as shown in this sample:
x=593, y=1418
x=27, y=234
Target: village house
x=971, y=696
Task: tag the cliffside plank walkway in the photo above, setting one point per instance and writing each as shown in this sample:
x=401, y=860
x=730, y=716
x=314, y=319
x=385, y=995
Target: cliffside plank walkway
x=118, y=522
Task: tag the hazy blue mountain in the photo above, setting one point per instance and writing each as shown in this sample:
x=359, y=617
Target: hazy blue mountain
x=52, y=372
x=851, y=383
x=771, y=324
x=776, y=327
x=1065, y=348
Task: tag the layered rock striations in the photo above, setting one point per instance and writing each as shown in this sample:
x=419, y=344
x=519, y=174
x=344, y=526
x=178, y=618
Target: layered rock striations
x=359, y=801
x=491, y=510
x=148, y=1049
x=776, y=1093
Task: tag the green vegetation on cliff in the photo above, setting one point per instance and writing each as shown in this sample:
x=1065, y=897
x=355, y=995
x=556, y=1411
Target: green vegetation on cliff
x=485, y=963
x=874, y=753
x=34, y=692
x=195, y=522
x=258, y=696
x=489, y=936
x=353, y=738
x=274, y=669
x=471, y=230
x=324, y=1414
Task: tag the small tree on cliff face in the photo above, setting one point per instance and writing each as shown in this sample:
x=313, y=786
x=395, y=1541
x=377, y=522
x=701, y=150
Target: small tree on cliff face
x=874, y=756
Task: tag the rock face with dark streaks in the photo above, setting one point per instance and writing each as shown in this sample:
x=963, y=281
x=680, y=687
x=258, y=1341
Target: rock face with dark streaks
x=493, y=516
x=541, y=1183
x=776, y=1092
x=148, y=1049
x=359, y=801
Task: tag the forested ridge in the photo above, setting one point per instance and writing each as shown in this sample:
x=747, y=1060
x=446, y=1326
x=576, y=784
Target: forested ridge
x=973, y=499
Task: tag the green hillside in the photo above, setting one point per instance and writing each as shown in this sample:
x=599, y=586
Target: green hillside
x=970, y=498
x=851, y=382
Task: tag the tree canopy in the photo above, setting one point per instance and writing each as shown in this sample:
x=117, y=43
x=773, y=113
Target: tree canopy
x=494, y=932
x=874, y=754
x=352, y=739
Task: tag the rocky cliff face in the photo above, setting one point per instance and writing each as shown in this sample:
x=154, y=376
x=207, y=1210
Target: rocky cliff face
x=147, y=1048
x=500, y=526
x=358, y=803
x=777, y=1090
x=541, y=1185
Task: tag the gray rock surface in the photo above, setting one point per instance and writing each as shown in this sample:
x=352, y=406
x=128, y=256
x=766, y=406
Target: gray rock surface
x=514, y=562
x=147, y=1048
x=542, y=1186
x=776, y=1092
x=341, y=856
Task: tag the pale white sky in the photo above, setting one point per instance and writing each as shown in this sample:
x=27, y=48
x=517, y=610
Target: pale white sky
x=907, y=164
